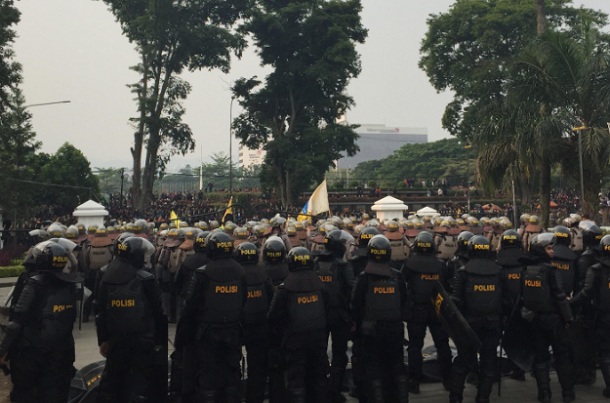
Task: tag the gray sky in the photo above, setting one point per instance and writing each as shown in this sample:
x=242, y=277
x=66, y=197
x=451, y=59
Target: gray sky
x=74, y=50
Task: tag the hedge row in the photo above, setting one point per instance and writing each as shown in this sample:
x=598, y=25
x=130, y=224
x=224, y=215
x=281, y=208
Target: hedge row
x=11, y=271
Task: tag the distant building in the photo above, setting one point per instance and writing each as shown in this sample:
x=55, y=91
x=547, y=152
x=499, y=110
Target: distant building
x=375, y=142
x=380, y=141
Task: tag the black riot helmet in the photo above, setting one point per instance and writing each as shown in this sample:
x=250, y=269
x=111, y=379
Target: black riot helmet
x=424, y=243
x=199, y=244
x=539, y=242
x=120, y=240
x=337, y=241
x=366, y=235
x=462, y=242
x=510, y=239
x=50, y=256
x=592, y=236
x=479, y=247
x=299, y=258
x=218, y=245
x=135, y=250
x=379, y=249
x=604, y=243
x=563, y=235
x=274, y=250
x=246, y=253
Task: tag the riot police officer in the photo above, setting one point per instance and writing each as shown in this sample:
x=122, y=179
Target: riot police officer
x=583, y=348
x=596, y=290
x=183, y=358
x=510, y=257
x=256, y=328
x=337, y=275
x=212, y=315
x=547, y=312
x=38, y=339
x=298, y=311
x=460, y=258
x=423, y=270
x=479, y=294
x=131, y=326
x=563, y=259
x=379, y=304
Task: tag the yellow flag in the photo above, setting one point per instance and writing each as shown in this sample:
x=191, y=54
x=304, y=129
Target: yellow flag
x=174, y=217
x=228, y=215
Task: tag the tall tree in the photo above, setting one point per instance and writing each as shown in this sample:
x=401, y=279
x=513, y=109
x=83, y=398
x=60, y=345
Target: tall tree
x=473, y=60
x=172, y=36
x=10, y=70
x=293, y=112
x=68, y=180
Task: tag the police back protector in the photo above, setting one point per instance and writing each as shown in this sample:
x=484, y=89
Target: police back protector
x=382, y=301
x=257, y=305
x=483, y=297
x=58, y=313
x=425, y=274
x=223, y=296
x=536, y=289
x=127, y=309
x=306, y=310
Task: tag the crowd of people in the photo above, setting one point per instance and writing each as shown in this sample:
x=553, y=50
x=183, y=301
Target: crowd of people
x=282, y=289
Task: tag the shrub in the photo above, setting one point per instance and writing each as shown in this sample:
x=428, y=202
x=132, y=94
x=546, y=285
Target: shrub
x=11, y=271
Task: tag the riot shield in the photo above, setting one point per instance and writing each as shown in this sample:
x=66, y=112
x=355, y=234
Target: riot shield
x=517, y=342
x=464, y=338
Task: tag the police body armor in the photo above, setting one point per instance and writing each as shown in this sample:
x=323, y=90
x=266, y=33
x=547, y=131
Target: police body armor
x=257, y=305
x=174, y=261
x=327, y=271
x=565, y=268
x=54, y=327
x=536, y=290
x=98, y=256
x=127, y=309
x=306, y=306
x=426, y=273
x=513, y=268
x=382, y=300
x=446, y=246
x=603, y=295
x=222, y=302
x=483, y=297
x=277, y=272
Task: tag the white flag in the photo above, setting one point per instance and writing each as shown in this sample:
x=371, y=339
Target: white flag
x=318, y=202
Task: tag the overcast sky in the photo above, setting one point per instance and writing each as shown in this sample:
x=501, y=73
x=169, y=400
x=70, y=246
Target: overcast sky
x=74, y=50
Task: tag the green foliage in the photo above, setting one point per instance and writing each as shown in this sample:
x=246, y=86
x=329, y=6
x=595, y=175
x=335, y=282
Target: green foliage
x=172, y=37
x=311, y=47
x=444, y=159
x=10, y=71
x=11, y=271
x=67, y=177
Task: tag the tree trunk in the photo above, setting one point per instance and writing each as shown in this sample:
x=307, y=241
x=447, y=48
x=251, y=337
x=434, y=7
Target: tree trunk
x=540, y=17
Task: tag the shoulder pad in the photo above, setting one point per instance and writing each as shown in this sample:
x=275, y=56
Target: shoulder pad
x=144, y=275
x=342, y=262
x=200, y=270
x=38, y=279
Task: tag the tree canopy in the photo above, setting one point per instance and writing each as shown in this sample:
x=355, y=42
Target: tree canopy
x=172, y=37
x=293, y=111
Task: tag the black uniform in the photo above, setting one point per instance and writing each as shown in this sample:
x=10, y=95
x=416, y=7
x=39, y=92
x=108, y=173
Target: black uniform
x=546, y=309
x=256, y=331
x=379, y=305
x=213, y=317
x=597, y=289
x=337, y=275
x=299, y=312
x=131, y=321
x=584, y=334
x=183, y=358
x=423, y=272
x=39, y=340
x=481, y=297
